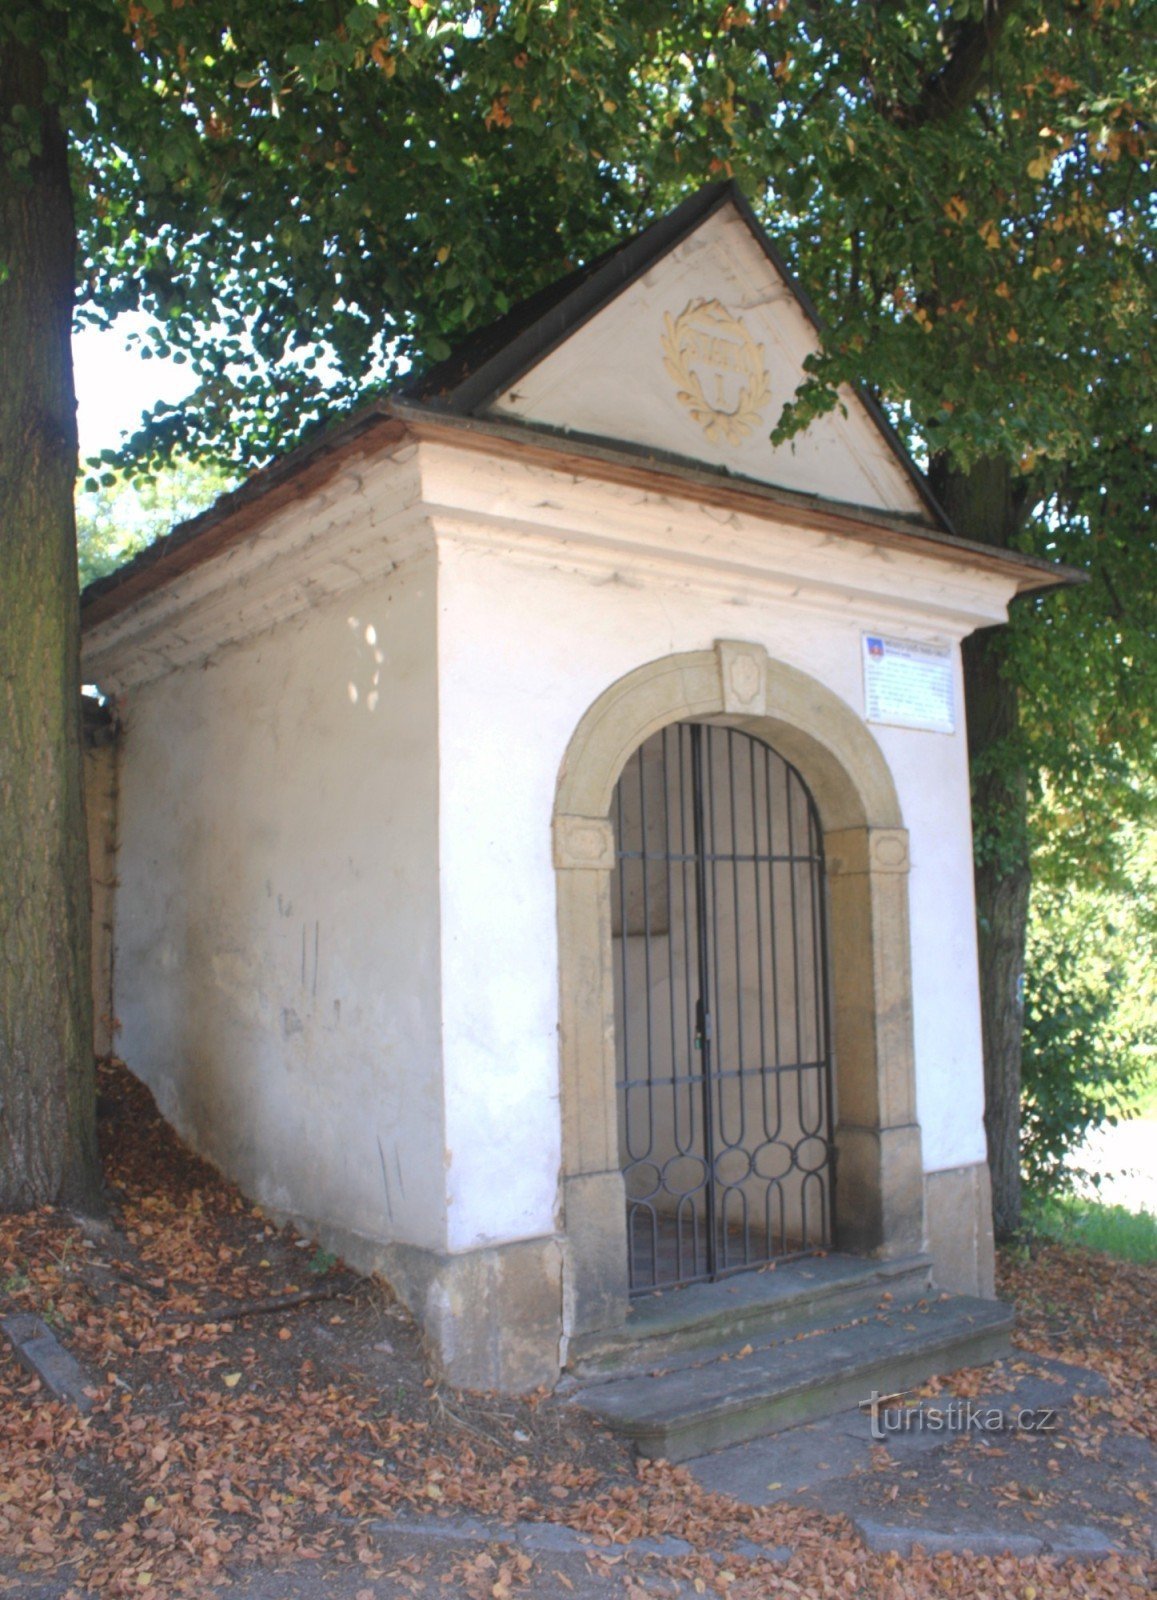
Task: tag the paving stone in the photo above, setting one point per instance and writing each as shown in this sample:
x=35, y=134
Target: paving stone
x=953, y=1484
x=781, y=1554
x=776, y=1468
x=1091, y=1542
x=42, y=1353
x=441, y=1530
x=1055, y=1382
x=552, y=1538
x=555, y=1538
x=903, y=1538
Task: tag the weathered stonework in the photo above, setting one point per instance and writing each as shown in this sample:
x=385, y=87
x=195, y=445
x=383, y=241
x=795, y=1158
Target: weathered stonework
x=958, y=1211
x=872, y=997
x=492, y=1316
x=743, y=678
x=880, y=1193
x=879, y=1190
x=587, y=1025
x=595, y=1250
x=584, y=844
x=100, y=803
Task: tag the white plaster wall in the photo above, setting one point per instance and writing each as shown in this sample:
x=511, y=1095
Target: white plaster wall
x=277, y=913
x=525, y=646
x=931, y=773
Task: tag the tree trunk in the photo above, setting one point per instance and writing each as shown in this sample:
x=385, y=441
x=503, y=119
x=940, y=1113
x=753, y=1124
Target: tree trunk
x=985, y=503
x=47, y=1090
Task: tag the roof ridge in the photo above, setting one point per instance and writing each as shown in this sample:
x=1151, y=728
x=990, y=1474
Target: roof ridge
x=489, y=359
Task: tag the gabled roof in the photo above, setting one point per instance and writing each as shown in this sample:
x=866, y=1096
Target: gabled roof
x=474, y=399
x=493, y=360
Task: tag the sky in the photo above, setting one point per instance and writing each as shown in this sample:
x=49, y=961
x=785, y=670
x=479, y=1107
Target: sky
x=114, y=385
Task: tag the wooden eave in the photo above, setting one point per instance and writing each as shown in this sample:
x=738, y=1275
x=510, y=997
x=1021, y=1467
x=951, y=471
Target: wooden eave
x=289, y=479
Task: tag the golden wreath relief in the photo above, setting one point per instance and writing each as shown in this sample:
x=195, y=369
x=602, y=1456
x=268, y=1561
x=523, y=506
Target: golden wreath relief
x=719, y=369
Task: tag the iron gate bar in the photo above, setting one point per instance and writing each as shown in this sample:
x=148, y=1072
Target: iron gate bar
x=703, y=1028
x=682, y=1241
x=647, y=954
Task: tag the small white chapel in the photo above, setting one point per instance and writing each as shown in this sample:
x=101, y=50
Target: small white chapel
x=535, y=855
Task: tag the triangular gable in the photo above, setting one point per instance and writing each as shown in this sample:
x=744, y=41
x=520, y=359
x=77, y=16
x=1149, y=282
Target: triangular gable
x=687, y=341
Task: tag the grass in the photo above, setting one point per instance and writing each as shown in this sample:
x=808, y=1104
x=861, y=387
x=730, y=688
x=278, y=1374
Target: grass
x=1109, y=1230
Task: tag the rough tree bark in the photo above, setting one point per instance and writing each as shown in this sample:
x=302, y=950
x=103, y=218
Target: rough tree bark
x=47, y=1091
x=988, y=503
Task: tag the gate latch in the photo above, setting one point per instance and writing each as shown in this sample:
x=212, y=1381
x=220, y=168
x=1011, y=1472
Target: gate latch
x=702, y=1025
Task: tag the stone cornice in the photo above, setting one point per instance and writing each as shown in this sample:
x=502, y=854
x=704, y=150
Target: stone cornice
x=533, y=512
x=677, y=480
x=271, y=559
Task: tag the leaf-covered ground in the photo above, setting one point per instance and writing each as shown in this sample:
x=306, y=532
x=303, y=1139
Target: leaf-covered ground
x=221, y=1450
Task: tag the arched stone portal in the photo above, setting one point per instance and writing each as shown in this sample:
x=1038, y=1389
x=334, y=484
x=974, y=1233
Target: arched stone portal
x=879, y=1187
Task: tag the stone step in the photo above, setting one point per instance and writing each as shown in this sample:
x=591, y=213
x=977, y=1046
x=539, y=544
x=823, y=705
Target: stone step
x=731, y=1396
x=674, y=1327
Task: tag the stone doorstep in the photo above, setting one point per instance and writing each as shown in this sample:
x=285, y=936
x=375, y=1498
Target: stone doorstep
x=728, y=1398
x=675, y=1326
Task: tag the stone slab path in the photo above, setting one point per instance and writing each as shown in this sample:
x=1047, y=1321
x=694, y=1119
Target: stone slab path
x=957, y=1478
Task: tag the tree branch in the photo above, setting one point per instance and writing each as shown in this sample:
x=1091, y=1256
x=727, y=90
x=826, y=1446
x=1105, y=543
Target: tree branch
x=952, y=85
x=260, y=1308
x=1114, y=596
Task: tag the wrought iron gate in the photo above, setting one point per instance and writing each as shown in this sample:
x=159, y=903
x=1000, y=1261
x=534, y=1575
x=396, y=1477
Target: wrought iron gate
x=723, y=1060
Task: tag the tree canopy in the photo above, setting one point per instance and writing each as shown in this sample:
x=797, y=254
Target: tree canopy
x=964, y=187
x=305, y=197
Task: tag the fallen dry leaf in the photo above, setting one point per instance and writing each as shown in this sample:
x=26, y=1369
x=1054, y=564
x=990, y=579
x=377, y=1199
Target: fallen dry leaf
x=184, y=1475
